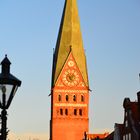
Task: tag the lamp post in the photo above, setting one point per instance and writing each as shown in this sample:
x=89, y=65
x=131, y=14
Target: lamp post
x=8, y=88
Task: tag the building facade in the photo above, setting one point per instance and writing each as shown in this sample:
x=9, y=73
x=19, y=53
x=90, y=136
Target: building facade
x=130, y=129
x=70, y=87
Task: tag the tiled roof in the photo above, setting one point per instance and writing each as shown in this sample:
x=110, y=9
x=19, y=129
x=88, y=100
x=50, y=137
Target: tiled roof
x=92, y=136
x=110, y=136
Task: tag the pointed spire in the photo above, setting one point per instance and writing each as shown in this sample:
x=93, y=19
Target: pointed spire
x=6, y=65
x=69, y=39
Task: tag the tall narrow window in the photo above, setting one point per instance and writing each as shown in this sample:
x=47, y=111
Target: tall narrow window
x=126, y=114
x=129, y=136
x=61, y=111
x=126, y=136
x=82, y=98
x=126, y=123
x=74, y=97
x=123, y=137
x=67, y=98
x=80, y=112
x=75, y=111
x=59, y=97
x=66, y=111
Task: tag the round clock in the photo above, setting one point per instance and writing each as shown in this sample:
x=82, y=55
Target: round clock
x=70, y=78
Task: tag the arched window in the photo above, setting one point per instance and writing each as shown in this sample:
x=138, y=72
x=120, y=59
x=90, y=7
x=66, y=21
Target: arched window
x=61, y=111
x=59, y=97
x=82, y=98
x=75, y=111
x=74, y=97
x=67, y=98
x=80, y=112
x=66, y=111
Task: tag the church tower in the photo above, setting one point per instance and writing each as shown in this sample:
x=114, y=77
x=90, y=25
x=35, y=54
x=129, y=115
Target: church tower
x=70, y=88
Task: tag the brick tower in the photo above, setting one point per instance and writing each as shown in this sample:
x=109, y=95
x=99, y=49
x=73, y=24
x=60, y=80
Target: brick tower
x=70, y=95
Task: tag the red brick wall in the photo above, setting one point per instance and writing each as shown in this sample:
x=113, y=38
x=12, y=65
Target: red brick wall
x=69, y=129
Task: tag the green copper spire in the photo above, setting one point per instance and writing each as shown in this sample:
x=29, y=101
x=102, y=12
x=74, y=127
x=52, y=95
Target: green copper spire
x=69, y=39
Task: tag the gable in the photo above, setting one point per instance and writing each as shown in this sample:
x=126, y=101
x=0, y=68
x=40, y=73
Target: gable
x=70, y=75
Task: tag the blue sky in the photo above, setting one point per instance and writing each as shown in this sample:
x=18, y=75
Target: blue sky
x=111, y=36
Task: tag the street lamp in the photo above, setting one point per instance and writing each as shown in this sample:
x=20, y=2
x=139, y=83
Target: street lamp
x=8, y=88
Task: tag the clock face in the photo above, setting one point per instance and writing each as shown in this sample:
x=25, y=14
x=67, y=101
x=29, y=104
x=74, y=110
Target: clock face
x=70, y=78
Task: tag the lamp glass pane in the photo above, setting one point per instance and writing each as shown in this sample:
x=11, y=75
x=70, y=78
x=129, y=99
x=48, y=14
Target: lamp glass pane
x=5, y=89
